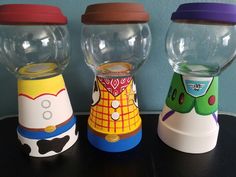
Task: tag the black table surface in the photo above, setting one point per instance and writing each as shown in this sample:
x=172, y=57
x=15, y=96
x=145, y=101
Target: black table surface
x=151, y=158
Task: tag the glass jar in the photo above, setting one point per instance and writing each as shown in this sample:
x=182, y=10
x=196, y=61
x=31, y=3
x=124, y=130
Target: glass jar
x=111, y=48
x=200, y=47
x=33, y=50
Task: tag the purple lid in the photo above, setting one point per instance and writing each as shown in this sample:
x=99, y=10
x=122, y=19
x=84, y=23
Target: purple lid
x=211, y=12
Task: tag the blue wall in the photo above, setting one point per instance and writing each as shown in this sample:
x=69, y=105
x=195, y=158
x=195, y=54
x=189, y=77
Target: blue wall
x=153, y=78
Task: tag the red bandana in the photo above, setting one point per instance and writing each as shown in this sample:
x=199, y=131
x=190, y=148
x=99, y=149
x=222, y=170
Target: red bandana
x=115, y=86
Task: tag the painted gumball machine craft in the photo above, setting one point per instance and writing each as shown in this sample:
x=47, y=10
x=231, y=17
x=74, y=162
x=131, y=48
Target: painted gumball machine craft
x=116, y=41
x=34, y=46
x=200, y=43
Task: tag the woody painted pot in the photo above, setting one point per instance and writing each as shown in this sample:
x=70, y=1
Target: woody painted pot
x=115, y=46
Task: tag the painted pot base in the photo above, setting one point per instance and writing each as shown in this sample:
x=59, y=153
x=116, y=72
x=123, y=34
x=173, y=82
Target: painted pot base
x=119, y=145
x=49, y=146
x=185, y=142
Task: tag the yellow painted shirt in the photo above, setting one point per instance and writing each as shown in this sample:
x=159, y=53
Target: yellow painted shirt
x=122, y=119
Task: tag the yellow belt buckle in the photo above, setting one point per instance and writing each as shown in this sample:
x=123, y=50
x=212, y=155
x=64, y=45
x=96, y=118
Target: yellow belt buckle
x=112, y=138
x=50, y=129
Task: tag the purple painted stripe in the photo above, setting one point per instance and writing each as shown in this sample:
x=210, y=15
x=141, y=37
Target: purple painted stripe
x=168, y=114
x=215, y=116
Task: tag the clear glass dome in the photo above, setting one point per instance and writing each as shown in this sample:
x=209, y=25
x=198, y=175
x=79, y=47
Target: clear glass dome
x=116, y=50
x=200, y=49
x=34, y=51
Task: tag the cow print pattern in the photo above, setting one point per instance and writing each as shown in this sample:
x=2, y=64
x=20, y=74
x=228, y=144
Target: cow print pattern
x=56, y=145
x=135, y=94
x=96, y=94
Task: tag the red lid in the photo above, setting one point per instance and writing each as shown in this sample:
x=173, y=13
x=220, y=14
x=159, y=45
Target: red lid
x=115, y=13
x=31, y=14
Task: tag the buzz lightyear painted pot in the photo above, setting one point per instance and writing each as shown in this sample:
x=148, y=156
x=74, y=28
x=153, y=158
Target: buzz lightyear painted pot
x=200, y=43
x=115, y=46
x=191, y=107
x=35, y=48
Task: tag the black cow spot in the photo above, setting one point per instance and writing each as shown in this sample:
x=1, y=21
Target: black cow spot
x=96, y=94
x=136, y=100
x=95, y=89
x=56, y=145
x=135, y=97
